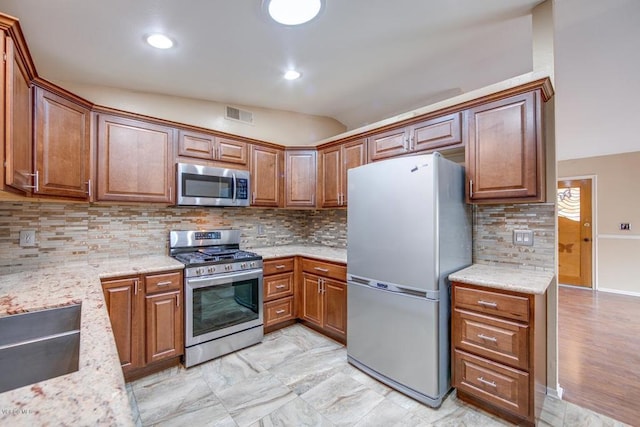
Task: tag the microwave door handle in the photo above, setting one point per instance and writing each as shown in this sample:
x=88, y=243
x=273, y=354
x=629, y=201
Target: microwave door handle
x=235, y=187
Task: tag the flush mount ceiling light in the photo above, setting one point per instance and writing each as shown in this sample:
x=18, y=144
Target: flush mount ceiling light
x=292, y=75
x=293, y=12
x=159, y=41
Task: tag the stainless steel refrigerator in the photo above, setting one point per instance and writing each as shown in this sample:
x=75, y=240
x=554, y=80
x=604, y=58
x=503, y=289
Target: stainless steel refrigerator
x=408, y=227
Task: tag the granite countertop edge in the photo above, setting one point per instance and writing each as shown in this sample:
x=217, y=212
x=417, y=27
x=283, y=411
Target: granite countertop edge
x=96, y=393
x=504, y=278
x=321, y=252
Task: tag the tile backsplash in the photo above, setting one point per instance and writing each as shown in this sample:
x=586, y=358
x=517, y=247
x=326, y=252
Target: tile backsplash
x=493, y=227
x=67, y=233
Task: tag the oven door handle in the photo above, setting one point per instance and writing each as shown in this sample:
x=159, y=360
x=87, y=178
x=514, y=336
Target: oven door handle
x=222, y=279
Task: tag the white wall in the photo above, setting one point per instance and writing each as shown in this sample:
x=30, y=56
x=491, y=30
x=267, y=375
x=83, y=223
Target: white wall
x=279, y=127
x=597, y=63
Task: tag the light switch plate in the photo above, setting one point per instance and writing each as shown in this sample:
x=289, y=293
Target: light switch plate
x=523, y=237
x=27, y=238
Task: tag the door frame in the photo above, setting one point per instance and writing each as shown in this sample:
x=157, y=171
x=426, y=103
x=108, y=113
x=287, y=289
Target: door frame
x=594, y=226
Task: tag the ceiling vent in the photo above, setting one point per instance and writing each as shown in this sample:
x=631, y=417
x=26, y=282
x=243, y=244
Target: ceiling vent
x=239, y=115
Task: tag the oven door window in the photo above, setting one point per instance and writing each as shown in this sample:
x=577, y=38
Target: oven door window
x=218, y=187
x=223, y=306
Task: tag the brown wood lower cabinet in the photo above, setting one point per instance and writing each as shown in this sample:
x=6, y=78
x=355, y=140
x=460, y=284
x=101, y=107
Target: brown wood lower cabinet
x=279, y=284
x=146, y=317
x=498, y=342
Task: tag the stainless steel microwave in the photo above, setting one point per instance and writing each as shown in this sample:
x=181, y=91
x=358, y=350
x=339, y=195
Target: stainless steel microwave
x=199, y=185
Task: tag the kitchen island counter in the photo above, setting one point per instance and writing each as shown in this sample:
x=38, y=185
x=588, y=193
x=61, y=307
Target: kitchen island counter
x=95, y=394
x=505, y=278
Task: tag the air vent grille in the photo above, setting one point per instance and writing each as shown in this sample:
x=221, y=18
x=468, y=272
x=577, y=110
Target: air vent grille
x=239, y=115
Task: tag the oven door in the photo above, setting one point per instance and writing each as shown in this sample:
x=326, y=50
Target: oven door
x=221, y=305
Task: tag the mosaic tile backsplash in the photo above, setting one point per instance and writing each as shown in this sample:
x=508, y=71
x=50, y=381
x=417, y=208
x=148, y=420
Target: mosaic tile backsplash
x=493, y=227
x=68, y=233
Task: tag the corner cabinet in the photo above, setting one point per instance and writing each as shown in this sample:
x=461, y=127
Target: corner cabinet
x=498, y=340
x=267, y=176
x=62, y=138
x=300, y=178
x=333, y=164
x=147, y=320
x=505, y=153
x=135, y=160
x=323, y=297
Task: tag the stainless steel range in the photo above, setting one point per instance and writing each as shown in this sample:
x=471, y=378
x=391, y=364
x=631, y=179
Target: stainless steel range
x=223, y=293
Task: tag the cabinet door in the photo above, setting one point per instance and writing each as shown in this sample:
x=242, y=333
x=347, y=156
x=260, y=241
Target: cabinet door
x=195, y=144
x=330, y=177
x=164, y=335
x=266, y=176
x=388, y=144
x=300, y=178
x=353, y=155
x=124, y=299
x=231, y=151
x=311, y=299
x=62, y=141
x=335, y=306
x=505, y=157
x=135, y=160
x=445, y=131
x=18, y=144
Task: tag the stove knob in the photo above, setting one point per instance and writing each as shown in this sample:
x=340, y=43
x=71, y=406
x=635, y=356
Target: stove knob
x=211, y=270
x=199, y=271
x=243, y=265
x=252, y=264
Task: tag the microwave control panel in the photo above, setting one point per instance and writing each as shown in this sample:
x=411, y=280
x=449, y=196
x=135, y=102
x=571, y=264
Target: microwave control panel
x=242, y=192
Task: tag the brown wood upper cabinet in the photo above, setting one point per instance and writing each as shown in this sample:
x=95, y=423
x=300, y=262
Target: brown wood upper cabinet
x=18, y=160
x=300, y=178
x=135, y=160
x=334, y=162
x=267, y=175
x=210, y=147
x=62, y=142
x=428, y=135
x=505, y=154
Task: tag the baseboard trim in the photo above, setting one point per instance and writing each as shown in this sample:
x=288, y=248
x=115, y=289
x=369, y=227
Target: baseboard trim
x=555, y=392
x=618, y=291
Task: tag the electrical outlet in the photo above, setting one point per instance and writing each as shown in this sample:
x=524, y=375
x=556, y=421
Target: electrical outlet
x=260, y=230
x=625, y=226
x=523, y=237
x=27, y=238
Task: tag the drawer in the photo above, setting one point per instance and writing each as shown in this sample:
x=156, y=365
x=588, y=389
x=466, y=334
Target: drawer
x=503, y=387
x=494, y=303
x=326, y=269
x=278, y=286
x=171, y=281
x=278, y=311
x=497, y=339
x=275, y=266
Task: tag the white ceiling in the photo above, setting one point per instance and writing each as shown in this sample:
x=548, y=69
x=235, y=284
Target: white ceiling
x=361, y=60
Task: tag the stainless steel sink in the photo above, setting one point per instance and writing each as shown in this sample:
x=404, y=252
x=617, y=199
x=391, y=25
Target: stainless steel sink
x=38, y=345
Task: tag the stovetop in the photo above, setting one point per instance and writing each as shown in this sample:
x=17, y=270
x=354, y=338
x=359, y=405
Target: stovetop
x=212, y=256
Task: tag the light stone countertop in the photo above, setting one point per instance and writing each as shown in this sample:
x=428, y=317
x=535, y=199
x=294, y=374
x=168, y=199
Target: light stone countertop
x=506, y=278
x=312, y=251
x=95, y=394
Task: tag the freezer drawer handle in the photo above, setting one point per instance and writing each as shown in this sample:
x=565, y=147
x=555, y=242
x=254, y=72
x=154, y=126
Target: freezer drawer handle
x=489, y=383
x=487, y=303
x=484, y=337
x=360, y=281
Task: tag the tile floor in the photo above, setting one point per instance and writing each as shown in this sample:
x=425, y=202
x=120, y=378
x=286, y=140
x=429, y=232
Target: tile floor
x=297, y=377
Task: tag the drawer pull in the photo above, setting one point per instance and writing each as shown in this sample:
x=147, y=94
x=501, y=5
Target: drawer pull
x=484, y=337
x=165, y=283
x=281, y=286
x=324, y=270
x=280, y=311
x=488, y=303
x=489, y=383
x=280, y=266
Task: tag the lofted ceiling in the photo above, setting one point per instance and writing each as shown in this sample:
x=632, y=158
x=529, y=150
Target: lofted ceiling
x=361, y=60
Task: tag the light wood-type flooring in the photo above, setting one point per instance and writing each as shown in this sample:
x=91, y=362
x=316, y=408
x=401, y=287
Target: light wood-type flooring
x=599, y=352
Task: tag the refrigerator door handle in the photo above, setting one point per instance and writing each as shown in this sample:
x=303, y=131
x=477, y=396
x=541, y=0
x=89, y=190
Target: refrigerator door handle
x=431, y=295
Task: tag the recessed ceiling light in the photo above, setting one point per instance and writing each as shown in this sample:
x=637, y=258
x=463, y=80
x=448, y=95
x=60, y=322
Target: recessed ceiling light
x=294, y=12
x=292, y=75
x=160, y=41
